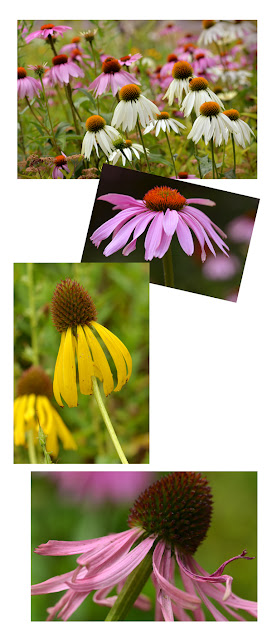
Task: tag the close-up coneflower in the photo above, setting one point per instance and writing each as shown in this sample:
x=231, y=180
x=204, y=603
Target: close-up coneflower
x=113, y=77
x=98, y=134
x=167, y=524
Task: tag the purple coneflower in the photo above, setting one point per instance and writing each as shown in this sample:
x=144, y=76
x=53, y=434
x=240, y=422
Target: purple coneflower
x=45, y=31
x=167, y=524
x=62, y=70
x=60, y=162
x=26, y=85
x=168, y=212
x=112, y=77
x=129, y=59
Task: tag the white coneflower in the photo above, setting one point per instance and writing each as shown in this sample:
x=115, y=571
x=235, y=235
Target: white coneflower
x=242, y=136
x=98, y=134
x=199, y=92
x=123, y=149
x=182, y=73
x=133, y=105
x=212, y=124
x=213, y=30
x=238, y=29
x=164, y=122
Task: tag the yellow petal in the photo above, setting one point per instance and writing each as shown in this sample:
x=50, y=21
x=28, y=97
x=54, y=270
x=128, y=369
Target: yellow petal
x=58, y=377
x=64, y=434
x=41, y=413
x=19, y=421
x=119, y=354
x=69, y=390
x=30, y=408
x=85, y=363
x=100, y=361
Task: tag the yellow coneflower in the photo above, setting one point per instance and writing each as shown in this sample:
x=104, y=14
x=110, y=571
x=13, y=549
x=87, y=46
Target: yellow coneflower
x=32, y=408
x=74, y=316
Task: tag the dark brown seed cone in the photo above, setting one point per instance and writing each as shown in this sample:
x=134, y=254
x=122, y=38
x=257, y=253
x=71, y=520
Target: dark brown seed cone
x=71, y=306
x=34, y=380
x=177, y=509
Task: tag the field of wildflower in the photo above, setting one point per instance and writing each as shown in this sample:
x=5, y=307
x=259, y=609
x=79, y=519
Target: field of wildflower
x=98, y=363
x=173, y=99
x=89, y=505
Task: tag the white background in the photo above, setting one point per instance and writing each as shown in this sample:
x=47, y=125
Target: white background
x=227, y=397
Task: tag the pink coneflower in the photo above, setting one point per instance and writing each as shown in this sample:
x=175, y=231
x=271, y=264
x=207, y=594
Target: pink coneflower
x=101, y=486
x=168, y=212
x=129, y=59
x=26, y=85
x=75, y=43
x=222, y=268
x=167, y=524
x=45, y=31
x=112, y=77
x=240, y=229
x=63, y=70
x=202, y=60
x=60, y=162
x=169, y=28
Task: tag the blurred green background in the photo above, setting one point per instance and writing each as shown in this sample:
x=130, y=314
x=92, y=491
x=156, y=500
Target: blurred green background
x=121, y=296
x=233, y=528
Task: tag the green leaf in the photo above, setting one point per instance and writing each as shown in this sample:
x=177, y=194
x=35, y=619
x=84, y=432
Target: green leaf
x=154, y=157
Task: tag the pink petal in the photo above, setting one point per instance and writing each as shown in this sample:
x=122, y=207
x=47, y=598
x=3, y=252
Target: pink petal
x=153, y=236
x=185, y=600
x=185, y=237
x=170, y=222
x=120, y=199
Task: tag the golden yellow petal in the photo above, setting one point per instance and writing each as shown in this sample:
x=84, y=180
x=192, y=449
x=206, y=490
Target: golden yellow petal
x=100, y=361
x=19, y=421
x=50, y=427
x=58, y=376
x=85, y=363
x=113, y=344
x=69, y=390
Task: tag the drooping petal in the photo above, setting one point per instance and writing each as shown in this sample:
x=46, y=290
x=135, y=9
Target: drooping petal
x=119, y=352
x=100, y=361
x=85, y=363
x=69, y=391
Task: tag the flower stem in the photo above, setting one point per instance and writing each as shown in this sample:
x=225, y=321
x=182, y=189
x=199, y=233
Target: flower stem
x=223, y=160
x=70, y=100
x=173, y=161
x=107, y=421
x=234, y=154
x=131, y=589
x=50, y=40
x=168, y=269
x=61, y=101
x=95, y=70
x=198, y=163
x=42, y=442
x=31, y=447
x=38, y=120
x=214, y=171
x=142, y=141
x=49, y=117
x=32, y=314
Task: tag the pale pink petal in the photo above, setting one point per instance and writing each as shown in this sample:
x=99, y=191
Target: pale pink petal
x=153, y=236
x=170, y=222
x=185, y=600
x=121, y=201
x=185, y=237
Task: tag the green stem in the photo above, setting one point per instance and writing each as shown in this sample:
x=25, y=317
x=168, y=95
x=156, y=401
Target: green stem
x=50, y=40
x=223, y=159
x=32, y=311
x=42, y=442
x=131, y=589
x=143, y=144
x=22, y=143
x=70, y=100
x=95, y=70
x=49, y=117
x=213, y=160
x=168, y=269
x=173, y=161
x=107, y=421
x=198, y=163
x=36, y=117
x=234, y=154
x=62, y=102
x=31, y=447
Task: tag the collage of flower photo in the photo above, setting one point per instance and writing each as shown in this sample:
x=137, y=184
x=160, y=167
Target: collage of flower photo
x=148, y=110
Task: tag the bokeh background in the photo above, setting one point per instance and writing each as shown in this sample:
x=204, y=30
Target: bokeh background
x=74, y=508
x=121, y=297
x=235, y=214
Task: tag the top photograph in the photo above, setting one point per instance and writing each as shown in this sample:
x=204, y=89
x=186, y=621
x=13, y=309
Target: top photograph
x=176, y=99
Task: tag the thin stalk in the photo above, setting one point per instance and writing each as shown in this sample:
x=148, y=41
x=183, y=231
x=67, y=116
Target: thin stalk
x=143, y=144
x=32, y=312
x=107, y=421
x=36, y=117
x=50, y=40
x=42, y=442
x=31, y=447
x=48, y=113
x=172, y=157
x=69, y=98
x=223, y=159
x=214, y=170
x=234, y=154
x=168, y=270
x=22, y=143
x=95, y=70
x=131, y=589
x=62, y=102
x=198, y=163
